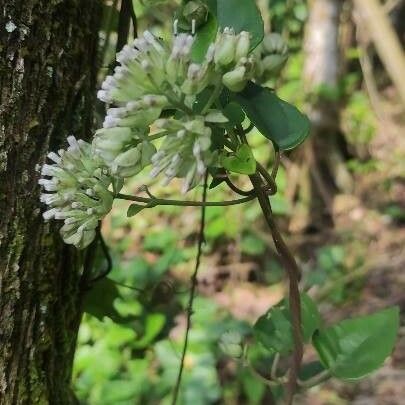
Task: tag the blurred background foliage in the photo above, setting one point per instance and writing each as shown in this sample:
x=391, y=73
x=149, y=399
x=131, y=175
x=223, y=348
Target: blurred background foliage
x=351, y=251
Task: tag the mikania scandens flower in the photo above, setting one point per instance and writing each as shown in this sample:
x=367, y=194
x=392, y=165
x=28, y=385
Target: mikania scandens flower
x=185, y=151
x=153, y=77
x=271, y=55
x=152, y=80
x=76, y=187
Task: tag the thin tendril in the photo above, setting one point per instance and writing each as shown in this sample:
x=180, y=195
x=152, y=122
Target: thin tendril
x=200, y=243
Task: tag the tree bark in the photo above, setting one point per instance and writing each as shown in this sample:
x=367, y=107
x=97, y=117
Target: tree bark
x=47, y=80
x=324, y=154
x=322, y=58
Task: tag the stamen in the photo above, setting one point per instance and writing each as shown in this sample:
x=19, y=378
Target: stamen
x=175, y=26
x=193, y=26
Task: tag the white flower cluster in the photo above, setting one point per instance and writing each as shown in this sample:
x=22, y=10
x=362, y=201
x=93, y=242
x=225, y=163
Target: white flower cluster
x=232, y=60
x=76, y=191
x=185, y=152
x=151, y=78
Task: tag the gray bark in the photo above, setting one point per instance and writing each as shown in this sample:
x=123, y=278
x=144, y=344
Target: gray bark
x=323, y=64
x=322, y=57
x=47, y=81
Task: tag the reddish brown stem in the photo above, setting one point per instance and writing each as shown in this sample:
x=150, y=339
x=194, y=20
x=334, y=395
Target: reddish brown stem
x=293, y=273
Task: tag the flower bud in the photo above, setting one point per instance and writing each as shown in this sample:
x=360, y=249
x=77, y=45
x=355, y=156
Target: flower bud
x=243, y=45
x=225, y=48
x=195, y=10
x=274, y=63
x=231, y=344
x=215, y=117
x=128, y=158
x=147, y=151
x=236, y=79
x=274, y=44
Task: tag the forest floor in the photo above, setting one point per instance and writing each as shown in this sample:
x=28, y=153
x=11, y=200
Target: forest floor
x=365, y=215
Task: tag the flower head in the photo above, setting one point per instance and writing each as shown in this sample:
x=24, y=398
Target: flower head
x=154, y=77
x=185, y=152
x=76, y=191
x=271, y=55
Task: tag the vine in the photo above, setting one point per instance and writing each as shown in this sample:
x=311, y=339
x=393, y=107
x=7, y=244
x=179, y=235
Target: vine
x=194, y=282
x=177, y=109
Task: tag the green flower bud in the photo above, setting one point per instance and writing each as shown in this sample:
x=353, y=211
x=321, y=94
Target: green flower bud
x=134, y=160
x=128, y=158
x=236, y=79
x=108, y=143
x=147, y=151
x=243, y=45
x=274, y=44
x=195, y=10
x=270, y=57
x=225, y=48
x=231, y=344
x=274, y=63
x=216, y=117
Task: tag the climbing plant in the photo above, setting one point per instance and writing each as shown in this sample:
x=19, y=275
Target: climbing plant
x=184, y=109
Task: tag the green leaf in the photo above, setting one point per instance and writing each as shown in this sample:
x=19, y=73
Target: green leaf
x=203, y=38
x=274, y=330
x=153, y=326
x=242, y=161
x=134, y=209
x=241, y=15
x=276, y=119
x=212, y=5
x=234, y=113
x=99, y=301
x=218, y=176
x=356, y=347
x=310, y=370
x=252, y=387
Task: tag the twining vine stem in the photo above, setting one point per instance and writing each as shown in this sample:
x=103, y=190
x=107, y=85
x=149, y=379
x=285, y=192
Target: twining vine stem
x=293, y=272
x=201, y=240
x=289, y=264
x=154, y=201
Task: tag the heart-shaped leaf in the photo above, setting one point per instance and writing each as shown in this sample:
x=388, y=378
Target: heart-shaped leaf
x=276, y=119
x=99, y=301
x=241, y=15
x=234, y=113
x=356, y=347
x=134, y=209
x=274, y=329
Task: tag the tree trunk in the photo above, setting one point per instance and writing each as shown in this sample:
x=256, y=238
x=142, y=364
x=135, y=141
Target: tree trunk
x=47, y=80
x=322, y=59
x=323, y=155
